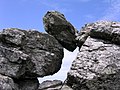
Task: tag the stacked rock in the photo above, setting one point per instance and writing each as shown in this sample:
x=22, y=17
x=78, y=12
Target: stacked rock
x=26, y=55
x=97, y=65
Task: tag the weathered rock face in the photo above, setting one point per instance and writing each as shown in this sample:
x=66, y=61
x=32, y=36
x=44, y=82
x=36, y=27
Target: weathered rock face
x=107, y=31
x=6, y=83
x=49, y=84
x=56, y=25
x=83, y=35
x=26, y=55
x=29, y=53
x=53, y=85
x=97, y=66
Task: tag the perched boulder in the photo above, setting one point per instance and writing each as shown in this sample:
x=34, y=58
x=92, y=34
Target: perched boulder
x=53, y=85
x=29, y=53
x=97, y=65
x=7, y=83
x=56, y=25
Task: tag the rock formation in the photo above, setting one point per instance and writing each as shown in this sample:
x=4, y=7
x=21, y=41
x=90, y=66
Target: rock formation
x=56, y=25
x=53, y=85
x=6, y=83
x=27, y=55
x=97, y=65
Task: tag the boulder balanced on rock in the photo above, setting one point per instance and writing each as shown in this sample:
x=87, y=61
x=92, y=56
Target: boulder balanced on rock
x=56, y=25
x=27, y=55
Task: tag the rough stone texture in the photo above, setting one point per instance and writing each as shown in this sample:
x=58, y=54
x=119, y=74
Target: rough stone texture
x=104, y=30
x=27, y=84
x=56, y=25
x=26, y=55
x=107, y=31
x=29, y=53
x=49, y=84
x=97, y=65
x=11, y=62
x=6, y=83
x=83, y=34
x=53, y=85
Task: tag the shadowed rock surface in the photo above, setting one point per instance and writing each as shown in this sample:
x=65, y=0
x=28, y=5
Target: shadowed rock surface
x=56, y=25
x=7, y=83
x=27, y=84
x=29, y=53
x=97, y=65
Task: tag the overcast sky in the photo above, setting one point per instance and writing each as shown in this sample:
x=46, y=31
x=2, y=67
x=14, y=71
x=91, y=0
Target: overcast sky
x=28, y=14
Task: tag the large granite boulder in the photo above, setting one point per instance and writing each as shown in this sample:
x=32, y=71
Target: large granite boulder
x=25, y=54
x=56, y=25
x=97, y=65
